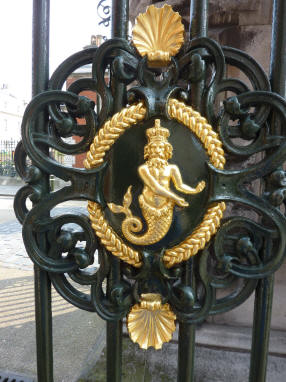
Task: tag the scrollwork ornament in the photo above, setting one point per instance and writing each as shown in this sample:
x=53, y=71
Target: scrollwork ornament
x=156, y=119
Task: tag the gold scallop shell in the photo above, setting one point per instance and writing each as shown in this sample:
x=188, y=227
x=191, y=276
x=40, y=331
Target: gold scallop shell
x=159, y=34
x=150, y=323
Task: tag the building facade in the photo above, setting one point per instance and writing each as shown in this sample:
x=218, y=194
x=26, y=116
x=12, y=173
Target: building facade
x=11, y=113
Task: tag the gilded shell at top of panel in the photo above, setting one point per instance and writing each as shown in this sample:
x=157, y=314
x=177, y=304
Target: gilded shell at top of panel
x=159, y=34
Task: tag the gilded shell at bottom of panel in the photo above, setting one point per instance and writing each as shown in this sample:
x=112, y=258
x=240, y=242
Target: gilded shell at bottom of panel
x=151, y=323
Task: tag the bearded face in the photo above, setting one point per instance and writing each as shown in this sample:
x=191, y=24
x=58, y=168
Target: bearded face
x=158, y=150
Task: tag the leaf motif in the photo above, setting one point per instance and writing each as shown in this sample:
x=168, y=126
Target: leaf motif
x=127, y=200
x=116, y=208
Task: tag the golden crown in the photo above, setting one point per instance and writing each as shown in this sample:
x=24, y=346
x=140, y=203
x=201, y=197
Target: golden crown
x=157, y=133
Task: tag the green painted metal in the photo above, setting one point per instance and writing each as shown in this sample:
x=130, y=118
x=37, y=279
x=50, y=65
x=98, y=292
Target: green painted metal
x=43, y=315
x=278, y=58
x=265, y=287
x=261, y=329
x=187, y=332
x=245, y=251
x=120, y=17
x=186, y=352
x=42, y=283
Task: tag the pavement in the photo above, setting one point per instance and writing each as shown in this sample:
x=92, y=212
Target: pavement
x=222, y=352
x=76, y=333
x=211, y=365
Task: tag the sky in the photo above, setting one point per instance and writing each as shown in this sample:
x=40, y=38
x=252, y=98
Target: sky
x=72, y=24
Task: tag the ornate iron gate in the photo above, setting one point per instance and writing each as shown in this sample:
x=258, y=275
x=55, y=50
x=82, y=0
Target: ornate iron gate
x=165, y=256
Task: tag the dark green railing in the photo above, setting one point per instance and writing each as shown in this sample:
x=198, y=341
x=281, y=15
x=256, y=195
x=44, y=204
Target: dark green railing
x=245, y=249
x=264, y=289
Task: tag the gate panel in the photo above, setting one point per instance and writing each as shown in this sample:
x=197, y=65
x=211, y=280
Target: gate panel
x=163, y=162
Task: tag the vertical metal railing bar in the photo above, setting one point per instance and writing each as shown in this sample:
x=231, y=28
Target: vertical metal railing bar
x=120, y=17
x=43, y=309
x=187, y=332
x=264, y=290
x=199, y=18
x=261, y=329
x=278, y=49
x=198, y=28
x=187, y=335
x=43, y=325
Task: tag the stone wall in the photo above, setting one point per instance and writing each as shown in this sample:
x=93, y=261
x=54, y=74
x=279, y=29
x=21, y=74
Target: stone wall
x=242, y=24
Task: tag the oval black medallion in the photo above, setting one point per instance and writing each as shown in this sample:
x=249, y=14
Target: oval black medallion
x=125, y=158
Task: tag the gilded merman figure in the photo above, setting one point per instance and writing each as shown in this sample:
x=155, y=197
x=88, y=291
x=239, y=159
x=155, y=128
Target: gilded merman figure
x=157, y=200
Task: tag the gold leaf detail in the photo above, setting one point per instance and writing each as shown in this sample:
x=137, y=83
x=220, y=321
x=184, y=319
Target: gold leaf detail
x=109, y=238
x=127, y=199
x=158, y=215
x=115, y=208
x=159, y=34
x=151, y=323
x=103, y=141
x=198, y=239
x=111, y=131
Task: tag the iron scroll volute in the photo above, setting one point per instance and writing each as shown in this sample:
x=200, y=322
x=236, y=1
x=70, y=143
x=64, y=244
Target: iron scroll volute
x=157, y=134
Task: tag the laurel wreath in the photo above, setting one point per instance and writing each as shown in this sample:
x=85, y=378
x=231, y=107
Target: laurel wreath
x=106, y=137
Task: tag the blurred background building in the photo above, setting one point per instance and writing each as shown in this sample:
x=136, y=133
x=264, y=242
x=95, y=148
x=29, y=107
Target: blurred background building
x=11, y=113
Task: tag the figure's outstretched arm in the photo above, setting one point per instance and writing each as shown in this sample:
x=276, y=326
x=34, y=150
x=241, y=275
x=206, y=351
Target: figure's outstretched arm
x=180, y=186
x=152, y=183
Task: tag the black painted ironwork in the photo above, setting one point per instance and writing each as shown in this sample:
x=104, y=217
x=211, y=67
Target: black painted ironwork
x=245, y=252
